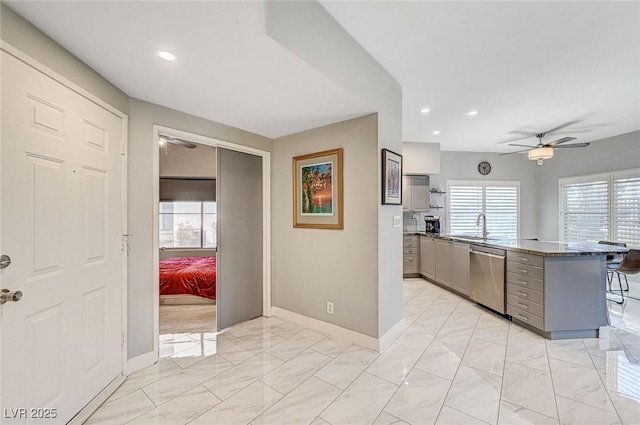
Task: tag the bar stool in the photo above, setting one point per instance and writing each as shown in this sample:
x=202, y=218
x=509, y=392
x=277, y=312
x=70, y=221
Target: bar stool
x=613, y=262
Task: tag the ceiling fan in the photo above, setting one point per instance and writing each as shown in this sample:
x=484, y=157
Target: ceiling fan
x=543, y=151
x=164, y=140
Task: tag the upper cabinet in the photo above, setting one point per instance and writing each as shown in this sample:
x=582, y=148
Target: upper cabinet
x=415, y=193
x=420, y=158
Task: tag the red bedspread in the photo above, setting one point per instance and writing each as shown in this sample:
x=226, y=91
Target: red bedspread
x=188, y=275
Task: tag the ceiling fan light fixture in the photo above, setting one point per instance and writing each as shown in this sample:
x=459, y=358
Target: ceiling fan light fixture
x=540, y=154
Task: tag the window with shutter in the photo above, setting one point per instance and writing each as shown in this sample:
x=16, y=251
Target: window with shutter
x=601, y=207
x=626, y=208
x=498, y=200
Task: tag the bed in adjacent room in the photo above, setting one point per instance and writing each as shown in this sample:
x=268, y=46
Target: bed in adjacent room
x=188, y=276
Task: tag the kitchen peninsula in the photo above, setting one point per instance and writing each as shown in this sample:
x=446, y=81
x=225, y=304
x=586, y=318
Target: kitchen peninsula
x=555, y=289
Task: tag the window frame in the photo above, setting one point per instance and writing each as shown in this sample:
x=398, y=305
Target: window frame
x=202, y=232
x=483, y=184
x=610, y=177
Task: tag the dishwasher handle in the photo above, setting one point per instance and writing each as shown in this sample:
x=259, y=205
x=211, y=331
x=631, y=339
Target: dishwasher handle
x=486, y=254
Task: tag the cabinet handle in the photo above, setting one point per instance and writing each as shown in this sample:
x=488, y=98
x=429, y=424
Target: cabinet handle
x=523, y=271
x=522, y=282
x=407, y=261
x=523, y=294
x=520, y=316
x=523, y=259
x=526, y=307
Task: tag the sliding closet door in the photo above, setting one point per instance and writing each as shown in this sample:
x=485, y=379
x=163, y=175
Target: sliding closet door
x=239, y=214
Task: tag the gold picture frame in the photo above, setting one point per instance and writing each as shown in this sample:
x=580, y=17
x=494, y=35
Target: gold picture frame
x=318, y=190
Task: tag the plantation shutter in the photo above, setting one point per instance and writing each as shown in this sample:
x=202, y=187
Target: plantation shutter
x=498, y=200
x=465, y=203
x=626, y=208
x=502, y=211
x=585, y=209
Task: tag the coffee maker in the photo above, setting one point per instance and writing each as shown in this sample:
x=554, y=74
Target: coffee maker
x=432, y=224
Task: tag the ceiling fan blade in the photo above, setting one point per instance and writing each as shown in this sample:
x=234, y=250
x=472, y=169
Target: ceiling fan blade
x=515, y=139
x=559, y=141
x=523, y=146
x=181, y=142
x=575, y=145
x=511, y=153
x=561, y=126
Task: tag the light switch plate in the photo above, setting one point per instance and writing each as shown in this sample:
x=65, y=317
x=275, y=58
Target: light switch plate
x=397, y=221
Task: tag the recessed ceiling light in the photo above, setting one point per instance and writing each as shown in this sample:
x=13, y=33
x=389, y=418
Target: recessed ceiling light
x=472, y=113
x=168, y=56
x=435, y=133
x=425, y=110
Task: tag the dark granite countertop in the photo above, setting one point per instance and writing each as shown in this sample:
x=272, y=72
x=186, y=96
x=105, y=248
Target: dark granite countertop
x=544, y=248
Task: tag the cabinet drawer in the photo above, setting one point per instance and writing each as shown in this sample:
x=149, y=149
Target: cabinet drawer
x=525, y=305
x=525, y=281
x=525, y=269
x=525, y=316
x=410, y=251
x=519, y=257
x=410, y=264
x=410, y=241
x=525, y=293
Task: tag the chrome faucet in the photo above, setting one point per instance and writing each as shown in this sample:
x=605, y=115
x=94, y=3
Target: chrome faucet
x=484, y=225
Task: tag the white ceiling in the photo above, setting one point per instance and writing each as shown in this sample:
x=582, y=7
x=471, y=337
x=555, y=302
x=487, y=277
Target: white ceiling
x=525, y=66
x=227, y=69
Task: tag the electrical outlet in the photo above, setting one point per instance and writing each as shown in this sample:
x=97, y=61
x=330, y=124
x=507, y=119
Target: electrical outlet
x=329, y=307
x=416, y=217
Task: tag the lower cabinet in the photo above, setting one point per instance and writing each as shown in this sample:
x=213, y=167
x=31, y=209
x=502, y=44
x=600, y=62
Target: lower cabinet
x=410, y=256
x=460, y=267
x=444, y=254
x=427, y=257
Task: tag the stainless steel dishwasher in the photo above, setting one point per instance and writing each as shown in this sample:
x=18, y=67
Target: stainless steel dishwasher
x=486, y=277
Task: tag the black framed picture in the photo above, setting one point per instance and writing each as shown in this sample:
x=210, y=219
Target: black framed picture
x=391, y=178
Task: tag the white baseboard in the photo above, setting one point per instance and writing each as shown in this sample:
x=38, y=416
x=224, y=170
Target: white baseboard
x=97, y=401
x=391, y=335
x=140, y=362
x=366, y=341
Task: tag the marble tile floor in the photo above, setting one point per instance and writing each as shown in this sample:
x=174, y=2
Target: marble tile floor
x=454, y=364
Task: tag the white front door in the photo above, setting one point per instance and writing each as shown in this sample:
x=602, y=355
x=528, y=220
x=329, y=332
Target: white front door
x=61, y=225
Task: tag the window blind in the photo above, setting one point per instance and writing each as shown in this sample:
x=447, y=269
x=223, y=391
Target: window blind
x=585, y=212
x=601, y=207
x=626, y=208
x=465, y=203
x=498, y=200
x=502, y=211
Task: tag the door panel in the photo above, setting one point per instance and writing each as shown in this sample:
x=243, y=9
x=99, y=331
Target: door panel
x=61, y=222
x=239, y=209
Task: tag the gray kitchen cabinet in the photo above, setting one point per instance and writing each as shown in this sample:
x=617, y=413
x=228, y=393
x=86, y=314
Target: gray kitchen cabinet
x=415, y=193
x=460, y=267
x=444, y=257
x=410, y=256
x=427, y=257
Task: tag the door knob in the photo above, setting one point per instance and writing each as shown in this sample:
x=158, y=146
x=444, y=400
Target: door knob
x=7, y=295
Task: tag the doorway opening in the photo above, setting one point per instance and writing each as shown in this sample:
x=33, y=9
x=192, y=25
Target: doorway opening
x=197, y=183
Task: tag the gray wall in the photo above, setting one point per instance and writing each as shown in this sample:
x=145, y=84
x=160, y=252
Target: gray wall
x=24, y=36
x=611, y=154
x=178, y=161
x=142, y=117
x=464, y=165
x=313, y=266
x=329, y=48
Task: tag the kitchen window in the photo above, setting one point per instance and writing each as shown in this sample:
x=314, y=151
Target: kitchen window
x=498, y=200
x=601, y=207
